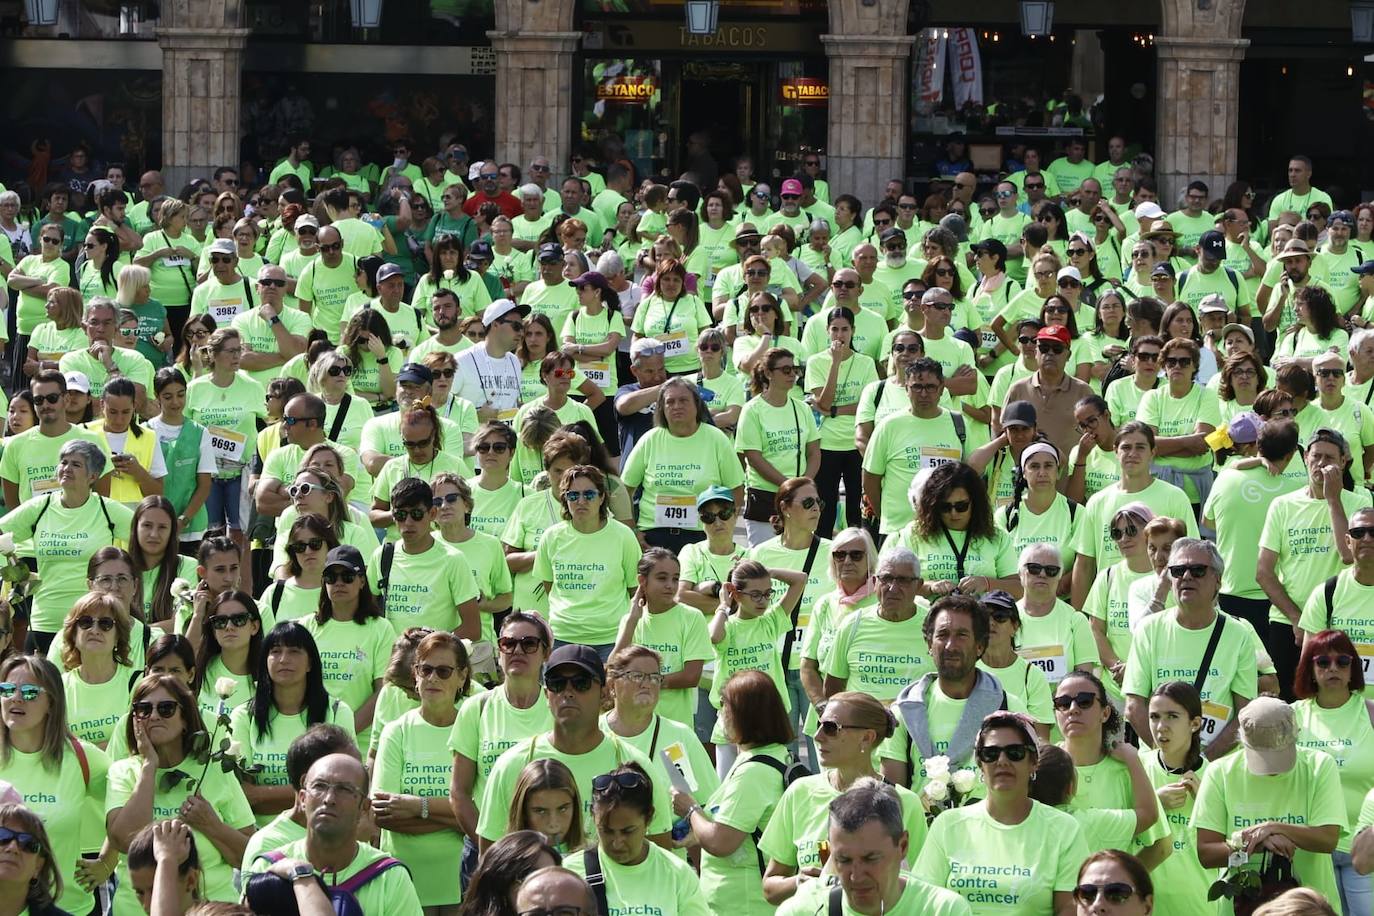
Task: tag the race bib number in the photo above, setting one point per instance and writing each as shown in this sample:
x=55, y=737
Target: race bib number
x=1050, y=659
x=677, y=754
x=803, y=621
x=227, y=445
x=599, y=373
x=50, y=357
x=508, y=416
x=1214, y=719
x=1364, y=650
x=45, y=486
x=932, y=456
x=176, y=262
x=674, y=344
x=224, y=310
x=988, y=338
x=676, y=512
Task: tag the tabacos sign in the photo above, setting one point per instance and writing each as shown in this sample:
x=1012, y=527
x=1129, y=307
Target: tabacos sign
x=805, y=92
x=626, y=90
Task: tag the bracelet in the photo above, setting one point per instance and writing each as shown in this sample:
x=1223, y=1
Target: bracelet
x=383, y=360
x=424, y=808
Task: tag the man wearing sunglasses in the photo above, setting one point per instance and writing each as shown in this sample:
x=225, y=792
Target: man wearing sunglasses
x=382, y=440
x=870, y=327
x=271, y=333
x=879, y=651
x=225, y=293
x=1195, y=643
x=895, y=269
x=303, y=420
x=1051, y=390
x=574, y=683
x=327, y=282
x=489, y=373
x=635, y=402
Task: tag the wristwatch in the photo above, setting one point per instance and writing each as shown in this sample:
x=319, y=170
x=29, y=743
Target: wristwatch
x=274, y=320
x=383, y=360
x=301, y=870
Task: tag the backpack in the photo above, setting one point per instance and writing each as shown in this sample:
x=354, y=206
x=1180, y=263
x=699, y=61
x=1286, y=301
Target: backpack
x=790, y=773
x=342, y=896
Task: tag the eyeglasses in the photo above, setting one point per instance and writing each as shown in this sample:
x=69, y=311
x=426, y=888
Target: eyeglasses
x=831, y=728
x=843, y=555
x=1016, y=753
x=442, y=672
x=907, y=348
x=940, y=305
x=557, y=910
x=1360, y=532
x=1251, y=373
x=1050, y=349
x=1039, y=186
x=1057, y=309
x=119, y=581
x=313, y=544
x=222, y=259
x=640, y=678
x=417, y=443
x=557, y=683
x=1177, y=362
x=414, y=514
x=1040, y=569
x=1129, y=531
x=1077, y=252
x=1116, y=892
x=1025, y=341
x=1084, y=699
x=165, y=709
x=1196, y=570
x=844, y=284
x=50, y=241
x=86, y=621
x=338, y=370
x=1148, y=356
x=525, y=645
x=888, y=580
x=709, y=348
x=760, y=596
x=961, y=505
x=344, y=790
x=1329, y=373
x=1066, y=283
x=27, y=692
x=335, y=576
x=720, y=515
x=292, y=421
x=987, y=213
x=26, y=841
x=785, y=370
x=224, y=621
x=573, y=496
x=757, y=272
x=1326, y=661
x=614, y=781
x=499, y=448
x=1285, y=413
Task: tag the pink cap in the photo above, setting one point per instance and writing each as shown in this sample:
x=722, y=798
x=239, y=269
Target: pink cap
x=791, y=186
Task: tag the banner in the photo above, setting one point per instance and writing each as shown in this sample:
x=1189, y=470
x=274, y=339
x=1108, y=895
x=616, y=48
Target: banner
x=930, y=69
x=965, y=67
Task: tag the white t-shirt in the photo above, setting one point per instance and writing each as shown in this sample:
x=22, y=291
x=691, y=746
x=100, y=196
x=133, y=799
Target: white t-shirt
x=629, y=303
x=483, y=380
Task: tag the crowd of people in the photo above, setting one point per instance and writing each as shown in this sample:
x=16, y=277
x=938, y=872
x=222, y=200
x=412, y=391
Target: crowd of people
x=447, y=539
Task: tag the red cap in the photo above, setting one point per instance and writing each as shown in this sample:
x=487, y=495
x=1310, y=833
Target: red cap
x=1056, y=333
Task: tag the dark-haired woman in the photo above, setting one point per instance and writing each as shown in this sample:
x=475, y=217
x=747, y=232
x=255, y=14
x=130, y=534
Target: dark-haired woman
x=448, y=270
x=288, y=697
x=29, y=881
x=99, y=275
x=778, y=437
x=367, y=340
x=508, y=862
x=639, y=875
x=229, y=652
x=297, y=593
x=1038, y=511
x=1175, y=769
x=154, y=553
x=187, y=454
x=835, y=379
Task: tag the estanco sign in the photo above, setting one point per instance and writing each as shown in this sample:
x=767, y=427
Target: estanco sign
x=626, y=90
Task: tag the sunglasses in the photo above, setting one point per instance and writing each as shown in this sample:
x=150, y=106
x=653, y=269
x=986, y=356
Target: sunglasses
x=47, y=398
x=1149, y=356
x=165, y=709
x=48, y=241
x=562, y=374
x=525, y=645
x=224, y=621
x=334, y=577
x=1034, y=187
x=907, y=348
x=1014, y=752
x=86, y=621
x=786, y=370
x=1116, y=892
x=709, y=348
x=1025, y=341
x=843, y=555
x=573, y=496
x=499, y=448
x=292, y=421
x=1077, y=252
x=444, y=373
x=1040, y=569
x=336, y=371
x=1326, y=661
x=608, y=782
x=303, y=489
x=1178, y=362
x=332, y=246
x=943, y=272
x=940, y=306
x=844, y=284
x=1129, y=531
x=757, y=273
x=720, y=515
x=222, y=259
x=1196, y=570
x=989, y=213
x=417, y=443
x=1360, y=532
x=1329, y=373
x=414, y=514
x=830, y=728
x=580, y=683
x=1051, y=349
x=1084, y=699
x=442, y=672
x=999, y=615
x=962, y=505
x=27, y=841
x=1066, y=283
x=812, y=502
x=272, y=281
x=296, y=547
x=27, y=692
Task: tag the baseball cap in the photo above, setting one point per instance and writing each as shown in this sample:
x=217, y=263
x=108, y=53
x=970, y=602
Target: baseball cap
x=1341, y=216
x=481, y=251
x=415, y=372
x=1164, y=269
x=890, y=234
x=1364, y=269
x=716, y=493
x=1148, y=210
x=592, y=278
x=1070, y=272
x=1269, y=734
x=387, y=271
x=550, y=252
x=576, y=656
x=1244, y=329
x=1018, y=413
x=791, y=186
x=1212, y=244
x=992, y=246
x=304, y=220
x=1213, y=302
x=225, y=246
x=1056, y=333
x=499, y=309
x=347, y=556
x=77, y=381
x=1244, y=427
x=1000, y=599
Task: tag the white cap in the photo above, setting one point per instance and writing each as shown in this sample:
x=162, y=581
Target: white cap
x=1148, y=210
x=224, y=246
x=305, y=219
x=501, y=307
x=77, y=381
x=1070, y=272
x=1213, y=302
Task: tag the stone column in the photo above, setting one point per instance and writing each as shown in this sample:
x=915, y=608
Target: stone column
x=534, y=79
x=1199, y=50
x=866, y=141
x=202, y=62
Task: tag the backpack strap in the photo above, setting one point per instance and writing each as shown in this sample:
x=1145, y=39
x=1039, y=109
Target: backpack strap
x=355, y=883
x=275, y=600
x=48, y=502
x=80, y=753
x=796, y=606
x=773, y=763
x=388, y=557
x=1329, y=590
x=337, y=426
x=957, y=418
x=835, y=905
x=596, y=880
x=653, y=742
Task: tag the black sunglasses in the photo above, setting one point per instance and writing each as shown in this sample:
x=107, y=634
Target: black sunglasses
x=958, y=506
x=1116, y=892
x=224, y=621
x=499, y=448
x=1015, y=752
x=27, y=841
x=165, y=709
x=608, y=782
x=416, y=514
x=527, y=645
x=1040, y=569
x=86, y=621
x=580, y=683
x=1084, y=699
x=720, y=515
x=335, y=576
x=1196, y=570
x=296, y=547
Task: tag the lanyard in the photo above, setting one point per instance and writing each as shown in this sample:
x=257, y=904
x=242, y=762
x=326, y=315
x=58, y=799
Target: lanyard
x=958, y=554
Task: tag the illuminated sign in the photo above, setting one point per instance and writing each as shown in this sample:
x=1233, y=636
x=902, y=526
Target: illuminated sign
x=805, y=92
x=626, y=90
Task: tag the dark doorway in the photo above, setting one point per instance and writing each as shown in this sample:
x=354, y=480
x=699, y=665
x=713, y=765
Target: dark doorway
x=719, y=117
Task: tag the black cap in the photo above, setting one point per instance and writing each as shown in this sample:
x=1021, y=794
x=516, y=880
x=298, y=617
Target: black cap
x=415, y=372
x=347, y=556
x=1212, y=243
x=890, y=234
x=577, y=656
x=481, y=250
x=550, y=252
x=1019, y=413
x=992, y=246
x=999, y=599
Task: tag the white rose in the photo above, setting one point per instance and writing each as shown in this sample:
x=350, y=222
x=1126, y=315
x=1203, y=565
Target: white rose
x=235, y=749
x=964, y=780
x=1236, y=840
x=937, y=766
x=225, y=687
x=6, y=543
x=180, y=588
x=936, y=791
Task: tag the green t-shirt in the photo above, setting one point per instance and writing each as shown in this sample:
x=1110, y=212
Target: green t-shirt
x=1093, y=538
x=282, y=463
x=800, y=824
x=492, y=509
x=1171, y=416
x=51, y=343
x=30, y=459
x=1058, y=642
x=1106, y=786
x=745, y=801
x=423, y=589
x=1027, y=683
x=229, y=415
x=942, y=716
x=391, y=893
x=353, y=657
x=533, y=516
x=1003, y=868
x=903, y=445
x=1181, y=883
x=779, y=434
x=487, y=726
x=591, y=575
x=1108, y=600
x=591, y=330
x=32, y=308
x=993, y=557
x=1350, y=604
x=606, y=756
x=487, y=558
x=679, y=636
x=93, y=710
x=383, y=435
x=432, y=344
x=529, y=463
x=877, y=656
x=220, y=789
x=1298, y=529
x=1053, y=526
x=1346, y=735
x=1309, y=794
x=676, y=325
x=174, y=277
x=750, y=643
x=661, y=884
x=269, y=749
x=256, y=334
x=680, y=742
x=870, y=331
x=398, y=469
x=700, y=565
x=672, y=470
x=63, y=541
x=223, y=301
x=406, y=325
x=130, y=363
x=837, y=433
x=557, y=301
x=772, y=554
x=1102, y=469
x=326, y=289
x=1238, y=504
x=918, y=897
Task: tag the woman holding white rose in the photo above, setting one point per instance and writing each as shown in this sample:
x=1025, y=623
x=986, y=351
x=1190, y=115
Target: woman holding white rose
x=228, y=656
x=795, y=842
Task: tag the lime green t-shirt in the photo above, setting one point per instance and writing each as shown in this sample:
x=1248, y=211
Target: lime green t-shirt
x=557, y=301
x=353, y=656
x=492, y=509
x=130, y=363
x=680, y=742
x=382, y=434
x=918, y=897
x=51, y=343
x=903, y=445
x=591, y=575
x=837, y=432
x=1171, y=416
x=1350, y=604
x=870, y=332
x=487, y=558
x=269, y=750
x=591, y=330
x=229, y=415
x=800, y=824
x=1181, y=883
x=529, y=463
x=1108, y=601
x=326, y=289
x=256, y=334
x=772, y=554
x=1053, y=526
x=679, y=636
x=993, y=557
x=1298, y=529
x=533, y=516
x=223, y=301
x=1106, y=786
x=282, y=463
x=676, y=325
x=1238, y=504
x=32, y=308
x=63, y=541
x=780, y=434
x=878, y=656
x=487, y=726
x=30, y=459
x=93, y=710
x=750, y=643
x=1093, y=537
x=942, y=715
x=1309, y=794
x=391, y=893
x=1346, y=735
x=999, y=868
x=700, y=565
x=286, y=599
x=746, y=800
x=672, y=470
x=220, y=789
x=661, y=884
x=398, y=469
x=1058, y=642
x=473, y=297
x=424, y=589
x=1027, y=683
x=173, y=277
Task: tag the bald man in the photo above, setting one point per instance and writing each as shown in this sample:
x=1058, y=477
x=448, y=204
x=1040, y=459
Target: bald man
x=553, y=888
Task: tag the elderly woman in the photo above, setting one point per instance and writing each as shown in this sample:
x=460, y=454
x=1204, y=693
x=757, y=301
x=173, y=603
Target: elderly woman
x=67, y=527
x=1037, y=848
x=330, y=377
x=726, y=388
x=1119, y=880
x=97, y=674
x=1361, y=375
x=853, y=562
x=1242, y=377
x=1054, y=637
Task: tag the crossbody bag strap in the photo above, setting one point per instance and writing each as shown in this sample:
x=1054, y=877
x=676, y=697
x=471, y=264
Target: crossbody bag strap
x=796, y=605
x=1209, y=652
x=596, y=880
x=337, y=426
